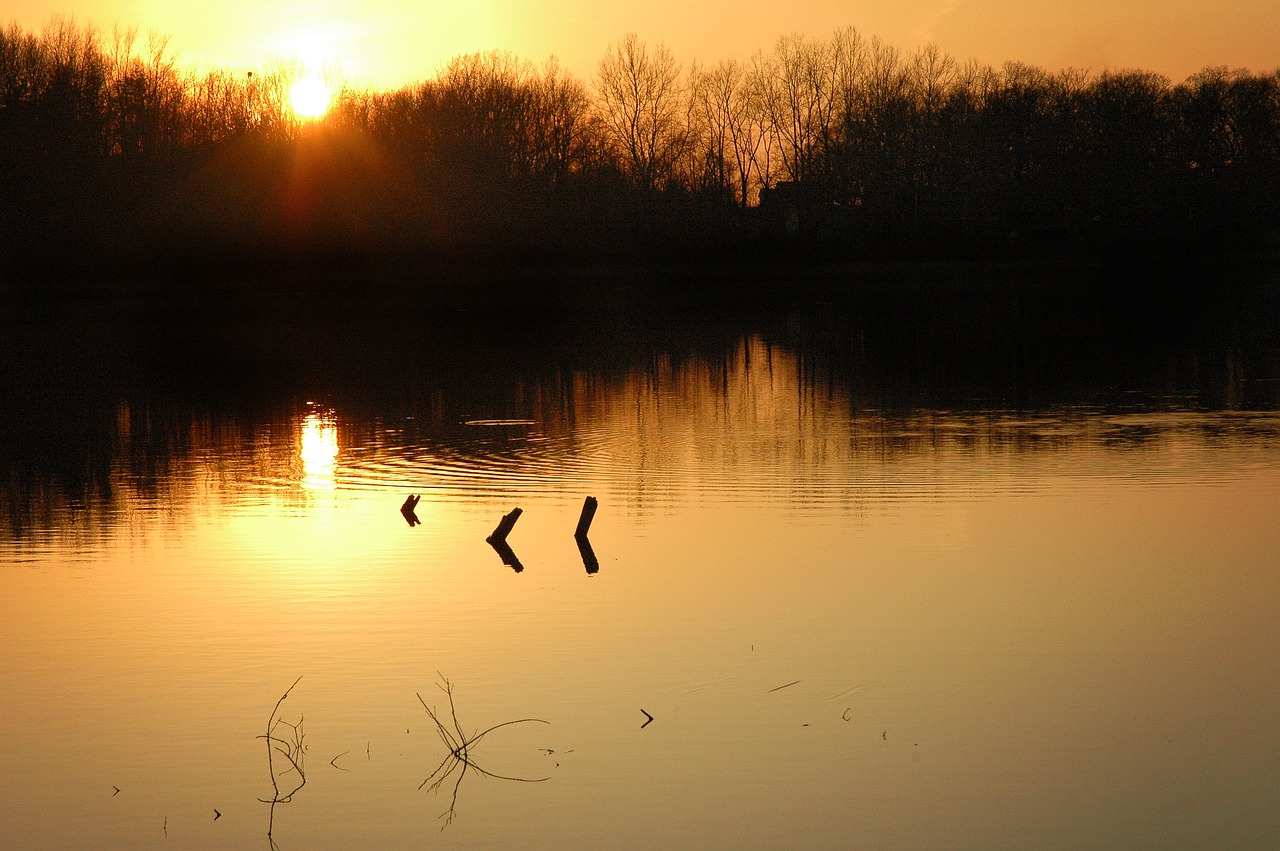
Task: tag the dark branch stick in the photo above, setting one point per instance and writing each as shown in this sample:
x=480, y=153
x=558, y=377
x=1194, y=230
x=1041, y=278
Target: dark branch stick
x=459, y=757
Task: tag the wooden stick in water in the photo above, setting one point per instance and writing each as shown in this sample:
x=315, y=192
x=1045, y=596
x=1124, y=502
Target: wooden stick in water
x=589, y=507
x=504, y=526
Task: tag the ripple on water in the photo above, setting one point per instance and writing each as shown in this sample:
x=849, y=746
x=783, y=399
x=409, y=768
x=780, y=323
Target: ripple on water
x=964, y=458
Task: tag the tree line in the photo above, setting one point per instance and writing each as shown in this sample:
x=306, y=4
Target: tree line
x=111, y=151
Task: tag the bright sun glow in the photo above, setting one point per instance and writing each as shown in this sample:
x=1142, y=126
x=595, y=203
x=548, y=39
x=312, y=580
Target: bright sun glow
x=309, y=97
x=319, y=452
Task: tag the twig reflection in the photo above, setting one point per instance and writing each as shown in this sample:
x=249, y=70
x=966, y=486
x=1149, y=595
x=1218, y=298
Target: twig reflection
x=293, y=749
x=459, y=758
x=508, y=555
x=589, y=560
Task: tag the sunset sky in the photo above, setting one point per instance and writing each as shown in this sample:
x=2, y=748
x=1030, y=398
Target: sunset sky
x=385, y=43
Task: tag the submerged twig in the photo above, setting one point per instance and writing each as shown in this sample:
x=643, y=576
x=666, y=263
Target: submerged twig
x=409, y=508
x=460, y=744
x=292, y=749
x=505, y=525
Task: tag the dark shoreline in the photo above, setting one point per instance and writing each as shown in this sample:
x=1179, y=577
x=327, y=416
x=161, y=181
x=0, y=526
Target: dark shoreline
x=1063, y=313
x=770, y=275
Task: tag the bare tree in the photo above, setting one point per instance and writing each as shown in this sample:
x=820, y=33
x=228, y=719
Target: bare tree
x=641, y=104
x=807, y=88
x=930, y=76
x=480, y=106
x=560, y=124
x=732, y=124
x=148, y=94
x=794, y=95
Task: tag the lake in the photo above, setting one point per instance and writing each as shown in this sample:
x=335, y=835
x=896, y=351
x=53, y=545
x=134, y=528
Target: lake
x=860, y=577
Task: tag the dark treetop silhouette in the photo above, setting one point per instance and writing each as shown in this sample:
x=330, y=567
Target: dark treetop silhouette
x=116, y=161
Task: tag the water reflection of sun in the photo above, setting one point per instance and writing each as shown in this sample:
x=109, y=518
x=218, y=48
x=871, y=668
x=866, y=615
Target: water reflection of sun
x=318, y=448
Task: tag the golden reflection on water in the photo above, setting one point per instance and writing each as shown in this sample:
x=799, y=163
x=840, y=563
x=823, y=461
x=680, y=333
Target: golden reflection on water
x=972, y=615
x=318, y=448
x=756, y=424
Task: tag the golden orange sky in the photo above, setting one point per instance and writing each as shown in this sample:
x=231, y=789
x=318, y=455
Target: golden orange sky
x=386, y=43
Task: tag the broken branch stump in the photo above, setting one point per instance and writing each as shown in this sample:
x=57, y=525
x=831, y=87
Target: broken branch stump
x=589, y=506
x=504, y=526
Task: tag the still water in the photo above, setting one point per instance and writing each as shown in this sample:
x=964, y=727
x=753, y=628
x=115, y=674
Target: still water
x=862, y=610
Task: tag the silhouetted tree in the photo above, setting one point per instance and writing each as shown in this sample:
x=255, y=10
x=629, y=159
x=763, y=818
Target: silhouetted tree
x=800, y=96
x=731, y=128
x=109, y=149
x=642, y=109
x=563, y=132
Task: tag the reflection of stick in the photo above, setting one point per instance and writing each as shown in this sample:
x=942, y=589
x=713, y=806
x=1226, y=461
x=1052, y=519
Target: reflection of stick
x=504, y=526
x=505, y=553
x=780, y=688
x=459, y=746
x=589, y=506
x=589, y=560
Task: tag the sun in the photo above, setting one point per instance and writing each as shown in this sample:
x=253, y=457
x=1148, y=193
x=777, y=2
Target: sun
x=309, y=97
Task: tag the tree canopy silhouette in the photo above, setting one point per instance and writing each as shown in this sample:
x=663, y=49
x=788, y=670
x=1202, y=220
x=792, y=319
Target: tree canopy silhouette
x=114, y=158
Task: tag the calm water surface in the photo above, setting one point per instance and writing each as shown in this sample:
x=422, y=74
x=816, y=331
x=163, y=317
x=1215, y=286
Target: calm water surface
x=858, y=619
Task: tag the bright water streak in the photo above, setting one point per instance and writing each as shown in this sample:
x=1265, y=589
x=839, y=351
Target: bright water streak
x=852, y=629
